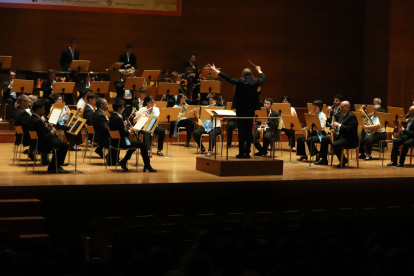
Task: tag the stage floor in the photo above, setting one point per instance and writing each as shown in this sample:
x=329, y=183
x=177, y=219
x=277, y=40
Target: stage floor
x=181, y=168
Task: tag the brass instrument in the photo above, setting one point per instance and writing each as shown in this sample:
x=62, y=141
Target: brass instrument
x=366, y=120
x=183, y=109
x=398, y=124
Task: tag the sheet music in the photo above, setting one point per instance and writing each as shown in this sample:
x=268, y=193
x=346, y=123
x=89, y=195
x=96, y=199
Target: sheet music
x=225, y=112
x=140, y=123
x=54, y=117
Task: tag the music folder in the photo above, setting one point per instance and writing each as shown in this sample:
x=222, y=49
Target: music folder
x=70, y=117
x=77, y=126
x=146, y=124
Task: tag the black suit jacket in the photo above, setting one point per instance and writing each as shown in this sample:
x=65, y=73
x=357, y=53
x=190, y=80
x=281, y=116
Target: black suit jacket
x=47, y=88
x=119, y=87
x=132, y=60
x=246, y=97
x=6, y=90
x=81, y=86
x=409, y=132
x=273, y=123
x=188, y=64
x=88, y=115
x=66, y=58
x=44, y=134
x=21, y=118
x=349, y=128
x=100, y=125
x=117, y=124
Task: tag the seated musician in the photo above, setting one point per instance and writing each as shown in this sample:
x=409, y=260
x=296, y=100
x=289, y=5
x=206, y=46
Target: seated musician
x=139, y=102
x=208, y=127
x=270, y=131
x=314, y=137
x=86, y=83
x=47, y=88
x=21, y=118
x=89, y=110
x=346, y=125
x=116, y=123
x=334, y=109
x=100, y=126
x=82, y=100
x=149, y=109
x=32, y=99
x=289, y=133
x=122, y=94
x=182, y=121
x=406, y=140
x=128, y=58
x=8, y=96
x=367, y=141
x=47, y=139
x=73, y=141
x=172, y=99
x=377, y=101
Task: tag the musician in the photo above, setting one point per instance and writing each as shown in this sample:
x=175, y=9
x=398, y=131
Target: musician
x=209, y=127
x=193, y=80
x=128, y=58
x=377, y=101
x=314, y=137
x=367, y=141
x=69, y=54
x=100, y=126
x=8, y=96
x=116, y=123
x=21, y=118
x=73, y=142
x=182, y=121
x=139, y=102
x=172, y=99
x=149, y=109
x=89, y=110
x=289, y=133
x=47, y=139
x=122, y=94
x=32, y=99
x=47, y=88
x=406, y=140
x=334, y=109
x=86, y=83
x=270, y=131
x=347, y=128
x=245, y=101
x=82, y=100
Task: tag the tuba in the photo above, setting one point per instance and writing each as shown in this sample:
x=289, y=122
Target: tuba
x=366, y=120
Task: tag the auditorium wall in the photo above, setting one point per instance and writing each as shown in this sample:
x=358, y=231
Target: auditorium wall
x=308, y=49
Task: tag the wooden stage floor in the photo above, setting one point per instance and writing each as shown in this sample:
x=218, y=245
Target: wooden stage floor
x=181, y=168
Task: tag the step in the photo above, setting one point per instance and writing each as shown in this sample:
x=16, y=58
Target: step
x=23, y=225
x=20, y=207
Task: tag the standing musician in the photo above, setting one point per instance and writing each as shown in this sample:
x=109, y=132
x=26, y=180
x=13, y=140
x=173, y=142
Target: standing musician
x=82, y=100
x=245, y=101
x=367, y=141
x=334, y=109
x=182, y=121
x=128, y=58
x=47, y=88
x=377, y=101
x=139, y=102
x=8, y=96
x=116, y=123
x=346, y=125
x=149, y=109
x=314, y=137
x=60, y=125
x=406, y=140
x=100, y=126
x=209, y=127
x=69, y=54
x=193, y=79
x=47, y=139
x=122, y=94
x=88, y=110
x=289, y=133
x=270, y=131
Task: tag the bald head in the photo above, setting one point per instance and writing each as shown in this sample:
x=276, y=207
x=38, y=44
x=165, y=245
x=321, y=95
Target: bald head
x=345, y=107
x=246, y=72
x=411, y=111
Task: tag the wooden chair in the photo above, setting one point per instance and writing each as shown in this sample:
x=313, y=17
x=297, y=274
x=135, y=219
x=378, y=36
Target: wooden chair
x=221, y=142
x=89, y=130
x=18, y=144
x=33, y=136
x=347, y=150
x=116, y=136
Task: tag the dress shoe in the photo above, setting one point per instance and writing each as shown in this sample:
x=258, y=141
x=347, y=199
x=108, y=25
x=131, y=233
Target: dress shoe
x=59, y=170
x=99, y=152
x=123, y=164
x=65, y=164
x=342, y=165
x=186, y=144
x=321, y=162
x=303, y=158
x=293, y=150
x=317, y=157
x=391, y=164
x=362, y=156
x=240, y=156
x=247, y=156
x=150, y=154
x=258, y=154
x=75, y=148
x=149, y=168
x=400, y=165
x=367, y=158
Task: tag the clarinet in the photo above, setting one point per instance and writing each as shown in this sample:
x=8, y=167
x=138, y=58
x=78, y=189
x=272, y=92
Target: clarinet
x=50, y=127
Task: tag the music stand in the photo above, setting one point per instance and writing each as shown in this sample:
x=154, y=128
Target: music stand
x=146, y=124
x=210, y=112
x=64, y=88
x=22, y=86
x=191, y=109
x=385, y=119
x=114, y=68
x=294, y=124
x=101, y=87
x=79, y=65
x=169, y=89
x=313, y=123
x=151, y=75
x=5, y=62
x=134, y=84
x=210, y=86
x=70, y=117
x=169, y=115
x=282, y=108
x=397, y=112
x=207, y=71
x=77, y=126
x=160, y=104
x=228, y=105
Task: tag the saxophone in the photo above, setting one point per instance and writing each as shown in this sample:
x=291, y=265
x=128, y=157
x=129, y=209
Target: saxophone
x=366, y=120
x=334, y=133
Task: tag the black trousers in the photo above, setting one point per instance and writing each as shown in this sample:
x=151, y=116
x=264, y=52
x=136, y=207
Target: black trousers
x=291, y=136
x=402, y=141
x=368, y=141
x=198, y=132
x=135, y=144
x=245, y=133
x=337, y=148
x=187, y=123
x=311, y=141
x=73, y=141
x=267, y=138
x=62, y=149
x=10, y=109
x=161, y=136
x=231, y=126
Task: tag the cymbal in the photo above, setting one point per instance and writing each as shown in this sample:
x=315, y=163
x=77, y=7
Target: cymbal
x=188, y=70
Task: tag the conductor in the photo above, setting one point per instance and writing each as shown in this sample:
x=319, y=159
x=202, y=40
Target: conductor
x=245, y=101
